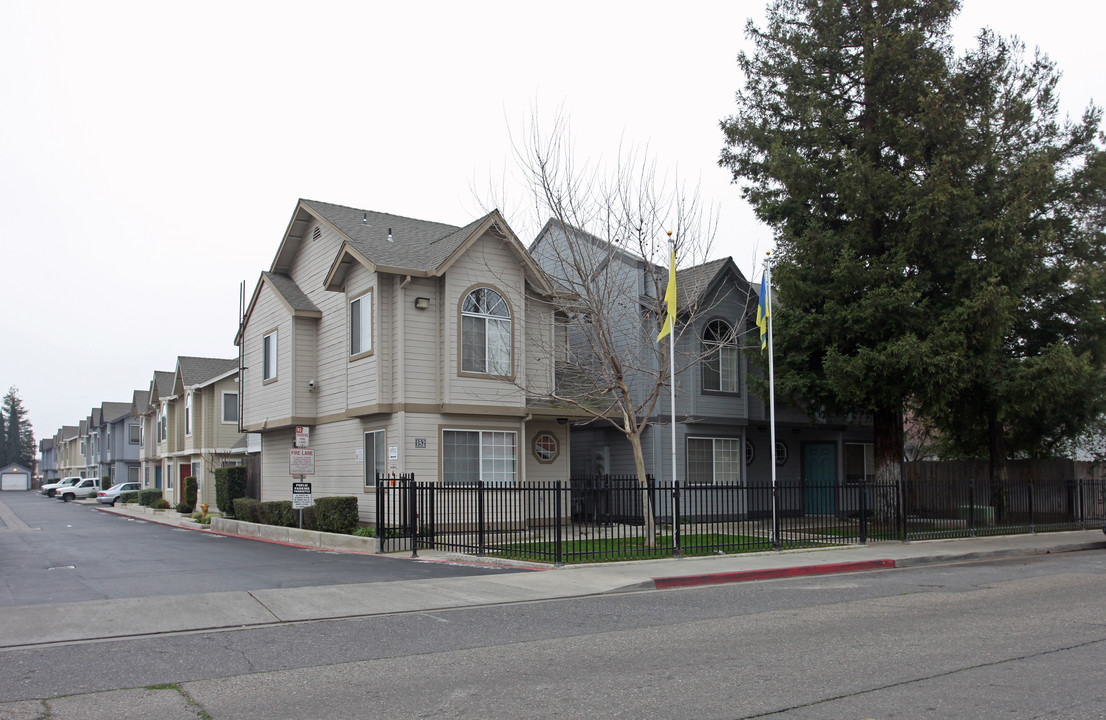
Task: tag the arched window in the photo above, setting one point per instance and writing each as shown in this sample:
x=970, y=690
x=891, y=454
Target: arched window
x=720, y=358
x=485, y=333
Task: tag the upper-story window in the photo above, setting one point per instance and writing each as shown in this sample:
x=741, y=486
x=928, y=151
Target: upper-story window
x=361, y=324
x=485, y=333
x=720, y=358
x=230, y=407
x=188, y=413
x=269, y=359
x=134, y=434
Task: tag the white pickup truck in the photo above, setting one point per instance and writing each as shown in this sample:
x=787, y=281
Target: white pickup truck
x=51, y=489
x=84, y=488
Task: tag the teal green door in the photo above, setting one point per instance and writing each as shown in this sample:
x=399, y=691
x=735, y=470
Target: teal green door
x=819, y=478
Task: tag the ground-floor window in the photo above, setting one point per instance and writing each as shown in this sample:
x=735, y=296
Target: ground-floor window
x=376, y=456
x=132, y=473
x=860, y=462
x=473, y=455
x=713, y=461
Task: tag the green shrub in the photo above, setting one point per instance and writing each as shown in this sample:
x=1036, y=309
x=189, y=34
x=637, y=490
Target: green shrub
x=183, y=508
x=280, y=513
x=336, y=514
x=191, y=491
x=365, y=532
x=310, y=521
x=245, y=509
x=127, y=497
x=148, y=496
x=105, y=482
x=161, y=504
x=230, y=484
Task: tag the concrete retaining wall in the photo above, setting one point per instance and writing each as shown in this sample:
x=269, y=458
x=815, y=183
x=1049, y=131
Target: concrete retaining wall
x=295, y=536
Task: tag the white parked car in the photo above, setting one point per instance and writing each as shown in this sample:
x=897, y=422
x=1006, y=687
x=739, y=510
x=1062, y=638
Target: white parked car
x=51, y=489
x=86, y=487
x=109, y=496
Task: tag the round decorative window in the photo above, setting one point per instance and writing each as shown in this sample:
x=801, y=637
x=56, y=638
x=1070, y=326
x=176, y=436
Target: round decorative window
x=781, y=453
x=545, y=447
x=750, y=453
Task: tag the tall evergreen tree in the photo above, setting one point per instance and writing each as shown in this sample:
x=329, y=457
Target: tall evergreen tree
x=1029, y=282
x=840, y=141
x=18, y=439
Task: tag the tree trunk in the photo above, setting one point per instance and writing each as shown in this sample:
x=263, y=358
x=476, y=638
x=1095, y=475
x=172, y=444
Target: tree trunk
x=996, y=465
x=643, y=485
x=887, y=427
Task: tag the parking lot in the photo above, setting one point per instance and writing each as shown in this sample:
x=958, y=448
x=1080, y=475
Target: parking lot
x=54, y=552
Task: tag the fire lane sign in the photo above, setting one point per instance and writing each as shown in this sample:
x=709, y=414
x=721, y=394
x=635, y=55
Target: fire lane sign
x=301, y=461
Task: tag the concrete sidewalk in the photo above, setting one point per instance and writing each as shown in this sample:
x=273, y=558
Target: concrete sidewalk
x=78, y=621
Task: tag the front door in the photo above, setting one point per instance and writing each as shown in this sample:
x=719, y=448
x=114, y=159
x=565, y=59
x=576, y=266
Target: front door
x=157, y=476
x=185, y=471
x=819, y=477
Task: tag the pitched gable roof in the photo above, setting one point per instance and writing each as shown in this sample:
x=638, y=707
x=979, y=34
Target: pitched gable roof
x=140, y=402
x=194, y=371
x=113, y=411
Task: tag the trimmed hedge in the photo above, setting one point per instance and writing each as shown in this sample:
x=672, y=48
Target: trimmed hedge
x=246, y=509
x=127, y=497
x=280, y=513
x=336, y=514
x=148, y=496
x=230, y=484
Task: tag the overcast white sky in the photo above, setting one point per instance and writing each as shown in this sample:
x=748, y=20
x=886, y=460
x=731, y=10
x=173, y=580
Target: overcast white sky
x=151, y=154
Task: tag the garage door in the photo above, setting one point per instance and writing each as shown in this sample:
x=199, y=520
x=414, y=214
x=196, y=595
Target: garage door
x=15, y=481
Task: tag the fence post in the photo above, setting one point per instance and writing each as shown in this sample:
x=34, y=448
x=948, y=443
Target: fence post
x=379, y=498
x=412, y=517
x=971, y=506
x=558, y=549
x=676, y=518
x=1082, y=503
x=863, y=485
x=480, y=518
x=1032, y=522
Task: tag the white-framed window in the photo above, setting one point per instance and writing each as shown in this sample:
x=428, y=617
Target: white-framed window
x=132, y=473
x=713, y=461
x=230, y=408
x=860, y=463
x=361, y=324
x=485, y=333
x=469, y=456
x=376, y=456
x=134, y=433
x=188, y=413
x=720, y=358
x=269, y=356
x=163, y=422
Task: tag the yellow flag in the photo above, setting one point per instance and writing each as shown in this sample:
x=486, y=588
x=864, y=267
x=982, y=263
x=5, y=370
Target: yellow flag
x=670, y=298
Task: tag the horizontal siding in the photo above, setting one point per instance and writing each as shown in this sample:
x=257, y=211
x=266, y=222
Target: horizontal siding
x=267, y=400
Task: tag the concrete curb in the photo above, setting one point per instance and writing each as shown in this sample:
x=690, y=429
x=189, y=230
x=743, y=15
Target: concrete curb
x=683, y=581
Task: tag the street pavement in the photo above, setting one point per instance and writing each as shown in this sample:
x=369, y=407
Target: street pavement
x=22, y=627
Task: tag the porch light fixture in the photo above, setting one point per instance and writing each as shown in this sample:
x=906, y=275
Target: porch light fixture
x=422, y=303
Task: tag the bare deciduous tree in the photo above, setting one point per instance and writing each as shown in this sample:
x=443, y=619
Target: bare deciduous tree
x=605, y=245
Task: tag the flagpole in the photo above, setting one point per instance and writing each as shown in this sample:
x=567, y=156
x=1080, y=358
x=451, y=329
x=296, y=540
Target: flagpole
x=672, y=390
x=772, y=402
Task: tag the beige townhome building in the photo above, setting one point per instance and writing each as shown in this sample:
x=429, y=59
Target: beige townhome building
x=400, y=346
x=154, y=422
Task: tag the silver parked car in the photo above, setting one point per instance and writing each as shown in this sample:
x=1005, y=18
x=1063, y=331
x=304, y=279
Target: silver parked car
x=109, y=496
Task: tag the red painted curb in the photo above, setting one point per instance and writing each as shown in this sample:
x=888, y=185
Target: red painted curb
x=666, y=583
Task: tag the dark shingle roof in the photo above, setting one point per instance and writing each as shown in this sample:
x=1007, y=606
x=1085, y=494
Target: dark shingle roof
x=415, y=244
x=288, y=289
x=112, y=411
x=197, y=370
x=163, y=382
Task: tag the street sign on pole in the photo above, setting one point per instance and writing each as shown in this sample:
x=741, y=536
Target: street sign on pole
x=303, y=436
x=301, y=461
x=301, y=495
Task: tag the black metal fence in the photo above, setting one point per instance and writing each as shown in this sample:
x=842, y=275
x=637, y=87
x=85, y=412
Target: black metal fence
x=590, y=519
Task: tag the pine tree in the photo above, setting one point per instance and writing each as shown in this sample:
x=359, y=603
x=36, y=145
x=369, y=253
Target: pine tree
x=18, y=438
x=840, y=141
